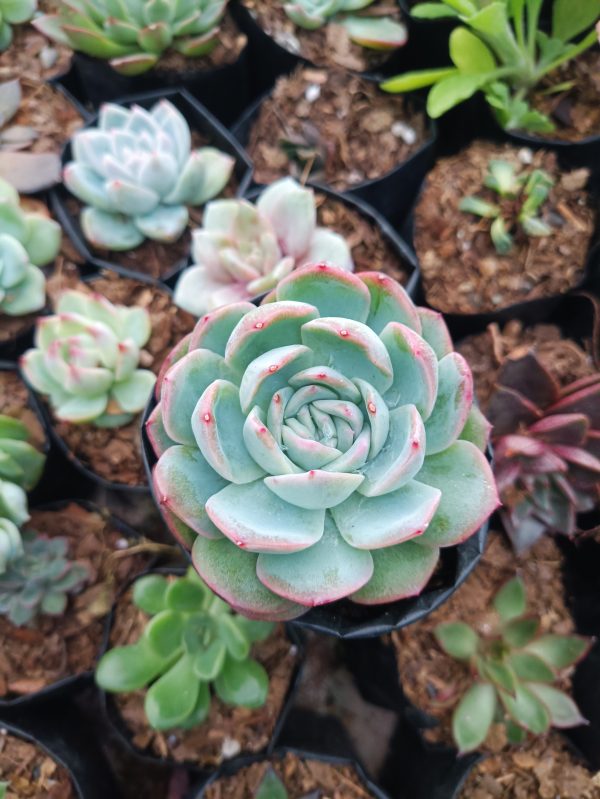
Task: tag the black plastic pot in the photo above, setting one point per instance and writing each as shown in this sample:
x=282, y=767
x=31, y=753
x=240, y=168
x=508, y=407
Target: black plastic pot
x=346, y=619
x=224, y=90
x=393, y=193
x=199, y=119
x=398, y=245
x=67, y=687
x=121, y=732
x=529, y=311
x=69, y=743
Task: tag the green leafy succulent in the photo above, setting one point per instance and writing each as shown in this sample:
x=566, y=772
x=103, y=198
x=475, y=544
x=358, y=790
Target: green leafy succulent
x=530, y=189
x=39, y=580
x=133, y=34
x=373, y=31
x=14, y=12
x=313, y=448
x=86, y=357
x=501, y=51
x=192, y=641
x=514, y=667
x=20, y=462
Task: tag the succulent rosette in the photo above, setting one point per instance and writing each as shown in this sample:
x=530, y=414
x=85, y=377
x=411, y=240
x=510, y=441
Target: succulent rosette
x=322, y=445
x=243, y=250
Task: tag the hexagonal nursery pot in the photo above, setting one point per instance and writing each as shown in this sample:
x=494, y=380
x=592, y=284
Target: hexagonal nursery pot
x=230, y=734
x=202, y=123
x=51, y=660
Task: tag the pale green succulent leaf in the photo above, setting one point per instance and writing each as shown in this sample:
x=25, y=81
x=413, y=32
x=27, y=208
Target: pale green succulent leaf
x=399, y=571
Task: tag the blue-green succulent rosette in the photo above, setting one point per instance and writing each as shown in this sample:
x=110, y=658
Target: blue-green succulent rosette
x=321, y=446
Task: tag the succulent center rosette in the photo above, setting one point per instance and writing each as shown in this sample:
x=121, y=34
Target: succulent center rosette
x=319, y=446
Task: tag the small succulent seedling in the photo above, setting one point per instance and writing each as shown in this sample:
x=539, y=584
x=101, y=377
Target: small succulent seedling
x=85, y=360
x=133, y=34
x=193, y=641
x=501, y=50
x=136, y=173
x=527, y=191
x=513, y=669
x=546, y=449
x=376, y=32
x=14, y=12
x=244, y=250
x=314, y=448
x=27, y=241
x=39, y=581
x=20, y=462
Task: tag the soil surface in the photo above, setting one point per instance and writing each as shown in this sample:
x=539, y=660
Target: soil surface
x=115, y=453
x=462, y=272
x=329, y=46
x=434, y=682
x=300, y=777
x=575, y=112
x=14, y=401
x=30, y=772
x=228, y=730
x=54, y=648
x=34, y=55
x=334, y=128
x=370, y=249
x=564, y=359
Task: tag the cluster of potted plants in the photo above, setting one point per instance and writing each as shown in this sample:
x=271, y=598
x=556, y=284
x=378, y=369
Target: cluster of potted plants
x=299, y=399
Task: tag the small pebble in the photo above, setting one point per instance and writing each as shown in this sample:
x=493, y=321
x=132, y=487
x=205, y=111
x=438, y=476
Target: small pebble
x=230, y=748
x=312, y=93
x=525, y=155
x=403, y=131
x=122, y=543
x=48, y=57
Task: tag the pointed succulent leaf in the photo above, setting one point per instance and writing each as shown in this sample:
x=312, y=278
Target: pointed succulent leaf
x=328, y=290
x=473, y=717
x=559, y=651
x=510, y=602
x=389, y=303
x=452, y=405
x=415, y=369
x=526, y=709
x=563, y=711
x=457, y=639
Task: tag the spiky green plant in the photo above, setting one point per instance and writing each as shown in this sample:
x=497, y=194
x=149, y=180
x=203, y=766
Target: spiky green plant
x=243, y=250
x=14, y=12
x=313, y=448
x=136, y=173
x=192, y=641
x=528, y=191
x=133, y=34
x=513, y=669
x=40, y=580
x=368, y=30
x=85, y=360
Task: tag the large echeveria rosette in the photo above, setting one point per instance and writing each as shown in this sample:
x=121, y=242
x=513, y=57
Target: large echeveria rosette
x=320, y=446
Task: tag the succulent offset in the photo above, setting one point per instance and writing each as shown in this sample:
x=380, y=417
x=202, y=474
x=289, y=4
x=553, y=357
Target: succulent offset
x=243, y=250
x=20, y=462
x=27, y=241
x=192, y=641
x=39, y=581
x=136, y=173
x=528, y=191
x=133, y=34
x=368, y=30
x=513, y=668
x=14, y=12
x=314, y=448
x=547, y=449
x=85, y=360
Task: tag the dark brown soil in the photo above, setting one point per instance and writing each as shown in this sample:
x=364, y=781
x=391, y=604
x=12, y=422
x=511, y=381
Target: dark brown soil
x=328, y=46
x=30, y=772
x=433, y=681
x=231, y=43
x=153, y=258
x=564, y=359
x=228, y=730
x=462, y=272
x=14, y=401
x=57, y=647
x=349, y=133
x=23, y=56
x=300, y=777
x=11, y=327
x=115, y=454
x=575, y=112
x=370, y=249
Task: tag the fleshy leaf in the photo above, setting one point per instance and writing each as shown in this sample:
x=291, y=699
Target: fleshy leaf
x=399, y=571
x=473, y=717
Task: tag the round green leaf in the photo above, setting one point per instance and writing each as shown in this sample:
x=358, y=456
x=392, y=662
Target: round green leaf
x=469, y=53
x=149, y=593
x=244, y=683
x=457, y=639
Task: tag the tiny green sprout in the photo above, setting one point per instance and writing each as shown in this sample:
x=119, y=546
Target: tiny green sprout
x=192, y=641
x=271, y=787
x=531, y=190
x=513, y=668
x=3, y=789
